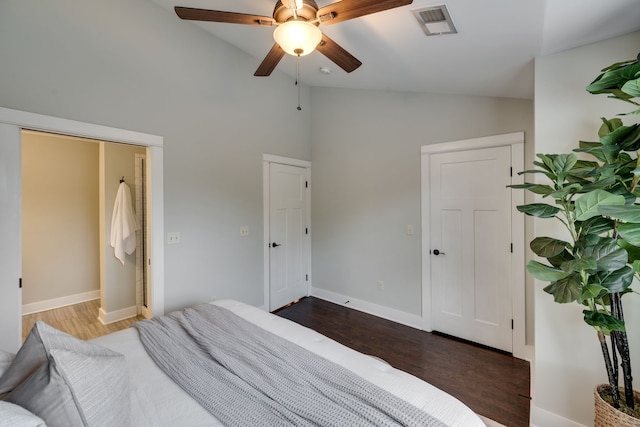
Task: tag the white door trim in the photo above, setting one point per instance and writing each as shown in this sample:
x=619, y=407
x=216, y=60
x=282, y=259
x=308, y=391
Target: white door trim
x=155, y=203
x=267, y=159
x=516, y=141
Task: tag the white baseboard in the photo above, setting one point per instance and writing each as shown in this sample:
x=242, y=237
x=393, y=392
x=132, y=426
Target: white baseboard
x=117, y=315
x=36, y=307
x=392, y=314
x=543, y=418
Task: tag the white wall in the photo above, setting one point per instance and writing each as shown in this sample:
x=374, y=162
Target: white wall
x=133, y=65
x=366, y=182
x=568, y=363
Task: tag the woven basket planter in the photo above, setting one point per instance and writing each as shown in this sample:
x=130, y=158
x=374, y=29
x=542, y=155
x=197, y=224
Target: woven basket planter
x=608, y=416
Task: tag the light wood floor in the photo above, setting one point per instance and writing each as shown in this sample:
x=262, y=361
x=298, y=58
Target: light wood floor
x=79, y=320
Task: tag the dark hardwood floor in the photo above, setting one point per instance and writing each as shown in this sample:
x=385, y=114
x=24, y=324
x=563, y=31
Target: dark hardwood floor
x=493, y=384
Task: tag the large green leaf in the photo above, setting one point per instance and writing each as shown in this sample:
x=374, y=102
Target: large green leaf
x=565, y=191
x=547, y=162
x=544, y=272
x=534, y=188
x=565, y=290
x=562, y=164
x=633, y=252
x=609, y=125
x=604, y=153
x=619, y=280
x=617, y=135
x=614, y=79
x=592, y=291
x=609, y=256
x=539, y=210
x=586, y=206
x=600, y=184
x=604, y=321
x=595, y=225
x=548, y=247
x=630, y=232
x=579, y=265
x=632, y=87
x=621, y=190
x=627, y=213
x=558, y=260
x=629, y=138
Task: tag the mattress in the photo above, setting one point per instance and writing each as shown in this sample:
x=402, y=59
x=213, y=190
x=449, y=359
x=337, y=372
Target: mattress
x=157, y=401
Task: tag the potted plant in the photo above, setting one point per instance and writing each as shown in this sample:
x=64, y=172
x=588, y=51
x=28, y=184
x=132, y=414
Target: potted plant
x=593, y=191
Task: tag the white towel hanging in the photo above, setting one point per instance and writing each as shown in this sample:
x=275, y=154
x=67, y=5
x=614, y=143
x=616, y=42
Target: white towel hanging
x=123, y=223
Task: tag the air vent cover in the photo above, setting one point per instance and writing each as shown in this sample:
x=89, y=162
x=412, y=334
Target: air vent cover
x=435, y=20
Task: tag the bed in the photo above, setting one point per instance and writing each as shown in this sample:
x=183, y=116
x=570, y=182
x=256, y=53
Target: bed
x=116, y=382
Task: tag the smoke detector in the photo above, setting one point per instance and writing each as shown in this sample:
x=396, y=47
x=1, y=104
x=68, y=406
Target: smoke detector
x=435, y=20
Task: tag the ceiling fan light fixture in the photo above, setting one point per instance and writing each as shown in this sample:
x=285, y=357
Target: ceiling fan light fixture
x=293, y=4
x=297, y=38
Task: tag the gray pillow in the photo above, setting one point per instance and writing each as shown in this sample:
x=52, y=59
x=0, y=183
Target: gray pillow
x=15, y=416
x=67, y=381
x=5, y=361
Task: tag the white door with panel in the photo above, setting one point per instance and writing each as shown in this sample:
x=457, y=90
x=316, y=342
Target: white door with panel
x=471, y=246
x=288, y=234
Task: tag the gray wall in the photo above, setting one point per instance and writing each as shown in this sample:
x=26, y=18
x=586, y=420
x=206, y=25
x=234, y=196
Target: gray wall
x=155, y=73
x=568, y=363
x=59, y=217
x=366, y=170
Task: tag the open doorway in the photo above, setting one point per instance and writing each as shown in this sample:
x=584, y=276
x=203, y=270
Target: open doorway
x=11, y=124
x=71, y=277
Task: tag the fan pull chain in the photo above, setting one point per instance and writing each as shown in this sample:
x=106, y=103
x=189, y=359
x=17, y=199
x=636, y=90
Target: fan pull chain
x=298, y=80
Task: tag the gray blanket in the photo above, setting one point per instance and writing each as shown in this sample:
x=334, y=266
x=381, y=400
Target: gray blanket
x=247, y=376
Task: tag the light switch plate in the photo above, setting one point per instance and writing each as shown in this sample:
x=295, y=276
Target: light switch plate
x=173, y=238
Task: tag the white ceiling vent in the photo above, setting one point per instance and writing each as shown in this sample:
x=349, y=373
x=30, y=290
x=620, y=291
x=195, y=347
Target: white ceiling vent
x=435, y=20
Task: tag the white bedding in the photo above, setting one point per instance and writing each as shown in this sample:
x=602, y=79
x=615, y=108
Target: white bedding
x=157, y=401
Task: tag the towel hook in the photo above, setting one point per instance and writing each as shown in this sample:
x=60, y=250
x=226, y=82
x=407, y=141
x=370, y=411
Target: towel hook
x=122, y=179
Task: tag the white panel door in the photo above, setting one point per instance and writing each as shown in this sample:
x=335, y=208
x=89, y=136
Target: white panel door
x=470, y=246
x=11, y=242
x=288, y=232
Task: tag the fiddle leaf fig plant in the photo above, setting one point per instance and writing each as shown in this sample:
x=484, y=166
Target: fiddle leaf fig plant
x=593, y=191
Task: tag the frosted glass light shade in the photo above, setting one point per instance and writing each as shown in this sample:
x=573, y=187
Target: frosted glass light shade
x=297, y=38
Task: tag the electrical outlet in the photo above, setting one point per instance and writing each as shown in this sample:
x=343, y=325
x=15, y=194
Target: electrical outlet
x=380, y=285
x=173, y=238
x=244, y=231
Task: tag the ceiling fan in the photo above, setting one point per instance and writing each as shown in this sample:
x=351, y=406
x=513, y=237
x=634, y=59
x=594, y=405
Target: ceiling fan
x=297, y=31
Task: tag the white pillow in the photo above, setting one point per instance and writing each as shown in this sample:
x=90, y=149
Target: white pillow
x=16, y=416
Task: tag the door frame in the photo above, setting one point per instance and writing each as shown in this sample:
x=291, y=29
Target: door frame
x=516, y=141
x=155, y=202
x=267, y=160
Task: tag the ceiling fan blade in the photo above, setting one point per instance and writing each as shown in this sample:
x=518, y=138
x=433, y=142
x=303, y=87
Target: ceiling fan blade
x=270, y=61
x=192, y=14
x=337, y=54
x=349, y=9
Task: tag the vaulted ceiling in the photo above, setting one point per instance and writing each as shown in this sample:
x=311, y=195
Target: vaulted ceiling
x=491, y=54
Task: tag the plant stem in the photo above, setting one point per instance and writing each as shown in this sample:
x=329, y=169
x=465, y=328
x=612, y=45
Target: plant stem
x=622, y=344
x=613, y=383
